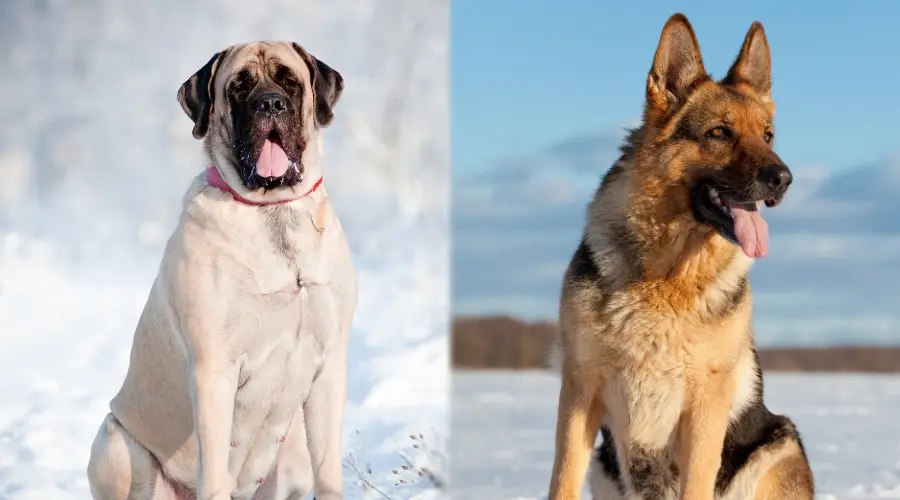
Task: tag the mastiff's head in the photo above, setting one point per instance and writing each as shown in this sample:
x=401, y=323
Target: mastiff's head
x=258, y=108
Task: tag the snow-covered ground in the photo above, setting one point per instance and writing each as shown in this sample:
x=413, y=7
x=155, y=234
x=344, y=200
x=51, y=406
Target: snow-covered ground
x=95, y=154
x=503, y=425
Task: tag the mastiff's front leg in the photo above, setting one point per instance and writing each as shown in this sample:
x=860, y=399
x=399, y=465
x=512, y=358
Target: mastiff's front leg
x=213, y=374
x=212, y=387
x=324, y=407
x=291, y=479
x=324, y=411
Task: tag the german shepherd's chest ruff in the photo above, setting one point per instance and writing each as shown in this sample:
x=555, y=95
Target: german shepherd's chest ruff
x=656, y=343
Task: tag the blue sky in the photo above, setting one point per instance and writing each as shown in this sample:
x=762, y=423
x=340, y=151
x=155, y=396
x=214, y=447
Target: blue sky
x=542, y=89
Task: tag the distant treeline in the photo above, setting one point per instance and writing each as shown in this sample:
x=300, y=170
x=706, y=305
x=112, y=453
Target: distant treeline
x=507, y=343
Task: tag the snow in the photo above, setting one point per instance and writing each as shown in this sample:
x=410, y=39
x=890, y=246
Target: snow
x=96, y=153
x=503, y=427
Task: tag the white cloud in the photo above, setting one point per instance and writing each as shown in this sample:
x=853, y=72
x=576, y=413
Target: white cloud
x=869, y=248
x=522, y=305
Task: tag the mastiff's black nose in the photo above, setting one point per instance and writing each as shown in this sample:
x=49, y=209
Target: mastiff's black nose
x=270, y=104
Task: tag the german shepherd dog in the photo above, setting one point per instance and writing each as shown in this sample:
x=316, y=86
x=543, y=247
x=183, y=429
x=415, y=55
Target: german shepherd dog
x=656, y=347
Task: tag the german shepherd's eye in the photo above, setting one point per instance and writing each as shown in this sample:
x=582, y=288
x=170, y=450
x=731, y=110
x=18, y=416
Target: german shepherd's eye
x=721, y=133
x=768, y=137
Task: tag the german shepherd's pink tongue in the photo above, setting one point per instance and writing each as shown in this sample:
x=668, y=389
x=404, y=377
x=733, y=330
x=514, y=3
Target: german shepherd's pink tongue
x=751, y=229
x=272, y=161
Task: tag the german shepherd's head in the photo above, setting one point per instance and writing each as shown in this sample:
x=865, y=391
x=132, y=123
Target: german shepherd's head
x=693, y=177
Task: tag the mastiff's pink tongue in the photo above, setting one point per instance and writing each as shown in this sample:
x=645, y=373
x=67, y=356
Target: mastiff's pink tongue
x=272, y=161
x=751, y=229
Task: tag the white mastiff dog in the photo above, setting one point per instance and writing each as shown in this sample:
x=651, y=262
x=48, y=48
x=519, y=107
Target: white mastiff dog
x=238, y=372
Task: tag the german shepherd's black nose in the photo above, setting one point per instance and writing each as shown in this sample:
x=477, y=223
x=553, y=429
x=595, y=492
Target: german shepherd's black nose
x=776, y=177
x=270, y=104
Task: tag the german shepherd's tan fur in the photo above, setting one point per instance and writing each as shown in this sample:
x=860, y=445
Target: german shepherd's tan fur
x=656, y=344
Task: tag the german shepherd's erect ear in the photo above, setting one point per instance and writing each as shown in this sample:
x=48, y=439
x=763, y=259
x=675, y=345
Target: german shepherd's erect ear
x=677, y=68
x=753, y=66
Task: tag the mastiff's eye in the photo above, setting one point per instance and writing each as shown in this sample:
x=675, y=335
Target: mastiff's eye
x=243, y=83
x=291, y=85
x=286, y=78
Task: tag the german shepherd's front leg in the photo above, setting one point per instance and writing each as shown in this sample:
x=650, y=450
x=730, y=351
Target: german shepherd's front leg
x=702, y=434
x=578, y=421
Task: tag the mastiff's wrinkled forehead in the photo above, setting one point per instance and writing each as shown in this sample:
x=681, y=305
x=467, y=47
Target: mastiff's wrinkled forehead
x=259, y=106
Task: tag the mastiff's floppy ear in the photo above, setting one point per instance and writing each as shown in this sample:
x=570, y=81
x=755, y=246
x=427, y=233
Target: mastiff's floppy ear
x=196, y=95
x=327, y=86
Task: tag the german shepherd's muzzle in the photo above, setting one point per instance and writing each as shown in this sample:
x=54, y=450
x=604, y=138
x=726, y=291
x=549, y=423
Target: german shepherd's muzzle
x=728, y=198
